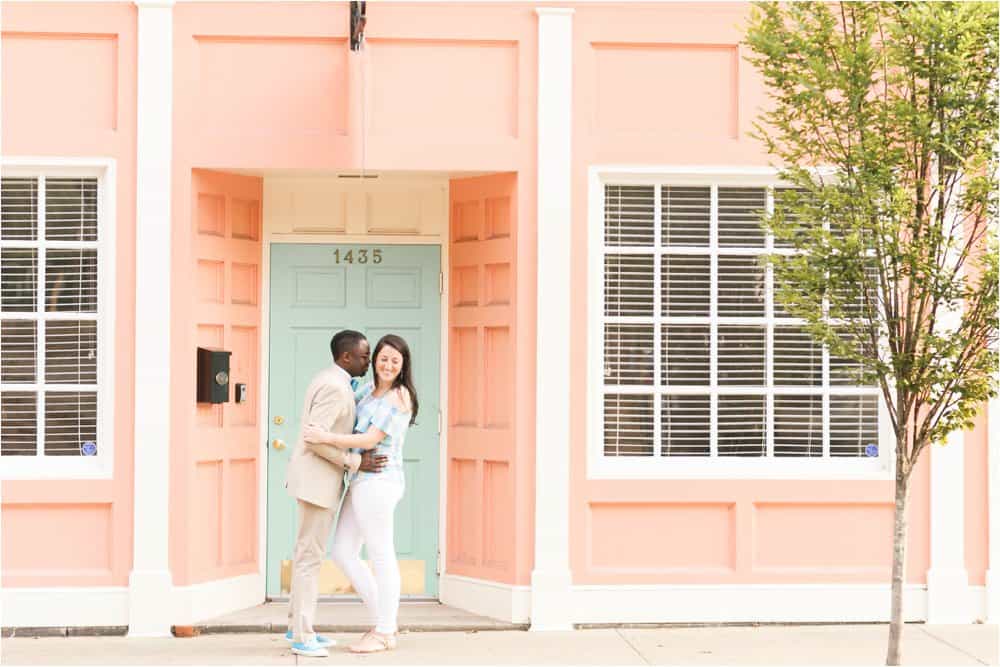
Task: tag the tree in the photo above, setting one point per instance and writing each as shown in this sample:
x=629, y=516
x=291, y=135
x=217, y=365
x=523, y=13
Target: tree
x=883, y=119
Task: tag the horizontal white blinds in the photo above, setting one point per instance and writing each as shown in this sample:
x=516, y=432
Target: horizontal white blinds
x=71, y=209
x=48, y=316
x=694, y=345
x=19, y=209
x=627, y=425
x=686, y=216
x=18, y=423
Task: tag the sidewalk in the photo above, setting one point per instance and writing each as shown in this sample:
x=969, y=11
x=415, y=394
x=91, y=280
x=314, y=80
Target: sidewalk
x=765, y=645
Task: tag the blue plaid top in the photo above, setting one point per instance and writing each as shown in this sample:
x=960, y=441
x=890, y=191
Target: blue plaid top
x=386, y=417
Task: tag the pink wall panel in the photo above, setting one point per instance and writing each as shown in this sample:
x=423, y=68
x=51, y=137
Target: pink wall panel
x=240, y=78
x=407, y=100
x=655, y=538
x=852, y=538
x=80, y=75
x=214, y=490
x=69, y=83
x=661, y=89
x=206, y=530
x=498, y=532
x=64, y=543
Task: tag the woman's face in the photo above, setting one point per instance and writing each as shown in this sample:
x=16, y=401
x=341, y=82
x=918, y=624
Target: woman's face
x=388, y=364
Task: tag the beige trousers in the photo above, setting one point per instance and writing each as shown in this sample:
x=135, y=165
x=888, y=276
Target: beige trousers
x=315, y=523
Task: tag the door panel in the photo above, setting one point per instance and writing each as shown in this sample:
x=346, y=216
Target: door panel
x=481, y=447
x=317, y=290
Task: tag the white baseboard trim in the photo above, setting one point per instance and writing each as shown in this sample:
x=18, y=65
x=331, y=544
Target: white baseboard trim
x=504, y=602
x=788, y=603
x=992, y=596
x=64, y=607
x=208, y=600
x=109, y=606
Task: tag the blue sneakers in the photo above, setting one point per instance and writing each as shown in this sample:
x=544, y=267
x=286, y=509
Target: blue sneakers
x=310, y=649
x=322, y=641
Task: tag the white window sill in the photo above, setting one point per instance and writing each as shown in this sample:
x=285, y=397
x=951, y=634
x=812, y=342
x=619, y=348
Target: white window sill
x=636, y=468
x=55, y=467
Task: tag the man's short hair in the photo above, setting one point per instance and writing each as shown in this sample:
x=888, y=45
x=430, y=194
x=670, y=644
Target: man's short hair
x=345, y=341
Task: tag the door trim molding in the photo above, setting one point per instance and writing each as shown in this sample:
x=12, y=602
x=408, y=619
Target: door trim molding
x=268, y=239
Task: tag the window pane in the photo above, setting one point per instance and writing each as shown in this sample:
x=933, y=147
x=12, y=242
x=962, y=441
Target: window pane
x=798, y=360
x=18, y=279
x=741, y=426
x=628, y=215
x=798, y=425
x=686, y=216
x=685, y=426
x=741, y=355
x=853, y=425
x=19, y=209
x=18, y=341
x=686, y=350
x=70, y=423
x=71, y=352
x=685, y=283
x=628, y=425
x=628, y=354
x=740, y=210
x=71, y=281
x=18, y=423
x=71, y=209
x=741, y=287
x=628, y=285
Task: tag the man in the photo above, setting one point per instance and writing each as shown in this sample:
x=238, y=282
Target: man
x=316, y=479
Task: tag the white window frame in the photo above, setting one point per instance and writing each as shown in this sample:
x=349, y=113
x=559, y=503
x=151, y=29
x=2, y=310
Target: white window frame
x=600, y=466
x=100, y=466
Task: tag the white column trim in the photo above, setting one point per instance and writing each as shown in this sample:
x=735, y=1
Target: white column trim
x=947, y=578
x=150, y=584
x=551, y=579
x=993, y=509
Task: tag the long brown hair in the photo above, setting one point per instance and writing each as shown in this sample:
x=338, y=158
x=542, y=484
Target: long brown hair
x=405, y=377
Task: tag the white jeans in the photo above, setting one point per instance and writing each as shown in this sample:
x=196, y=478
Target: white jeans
x=367, y=518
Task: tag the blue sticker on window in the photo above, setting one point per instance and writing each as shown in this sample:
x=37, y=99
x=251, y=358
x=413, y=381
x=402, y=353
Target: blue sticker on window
x=871, y=450
x=88, y=448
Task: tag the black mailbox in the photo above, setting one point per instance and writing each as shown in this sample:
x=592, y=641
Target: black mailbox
x=213, y=375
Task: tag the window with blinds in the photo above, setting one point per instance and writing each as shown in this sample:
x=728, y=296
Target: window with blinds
x=49, y=312
x=698, y=360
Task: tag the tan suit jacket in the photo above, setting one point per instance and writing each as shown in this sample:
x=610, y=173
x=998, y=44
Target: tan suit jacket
x=316, y=472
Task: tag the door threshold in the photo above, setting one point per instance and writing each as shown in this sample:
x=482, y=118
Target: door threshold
x=351, y=599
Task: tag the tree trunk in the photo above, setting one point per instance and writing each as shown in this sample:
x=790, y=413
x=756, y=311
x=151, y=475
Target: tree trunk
x=893, y=656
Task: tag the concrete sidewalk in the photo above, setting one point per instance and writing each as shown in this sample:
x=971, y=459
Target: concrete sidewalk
x=765, y=645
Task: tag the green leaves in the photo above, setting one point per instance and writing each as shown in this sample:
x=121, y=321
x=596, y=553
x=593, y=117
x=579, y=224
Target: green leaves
x=883, y=117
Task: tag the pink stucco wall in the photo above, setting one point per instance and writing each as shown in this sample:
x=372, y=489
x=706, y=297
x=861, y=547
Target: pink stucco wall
x=69, y=83
x=452, y=88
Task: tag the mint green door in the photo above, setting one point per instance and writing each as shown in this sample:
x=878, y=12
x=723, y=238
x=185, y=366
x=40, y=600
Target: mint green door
x=316, y=290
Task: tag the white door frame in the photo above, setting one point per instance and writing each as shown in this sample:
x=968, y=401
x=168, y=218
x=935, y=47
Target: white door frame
x=271, y=238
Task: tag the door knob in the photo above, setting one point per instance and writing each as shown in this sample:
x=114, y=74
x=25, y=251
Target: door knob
x=278, y=443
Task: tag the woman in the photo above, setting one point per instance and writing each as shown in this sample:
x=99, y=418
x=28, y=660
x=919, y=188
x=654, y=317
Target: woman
x=386, y=409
